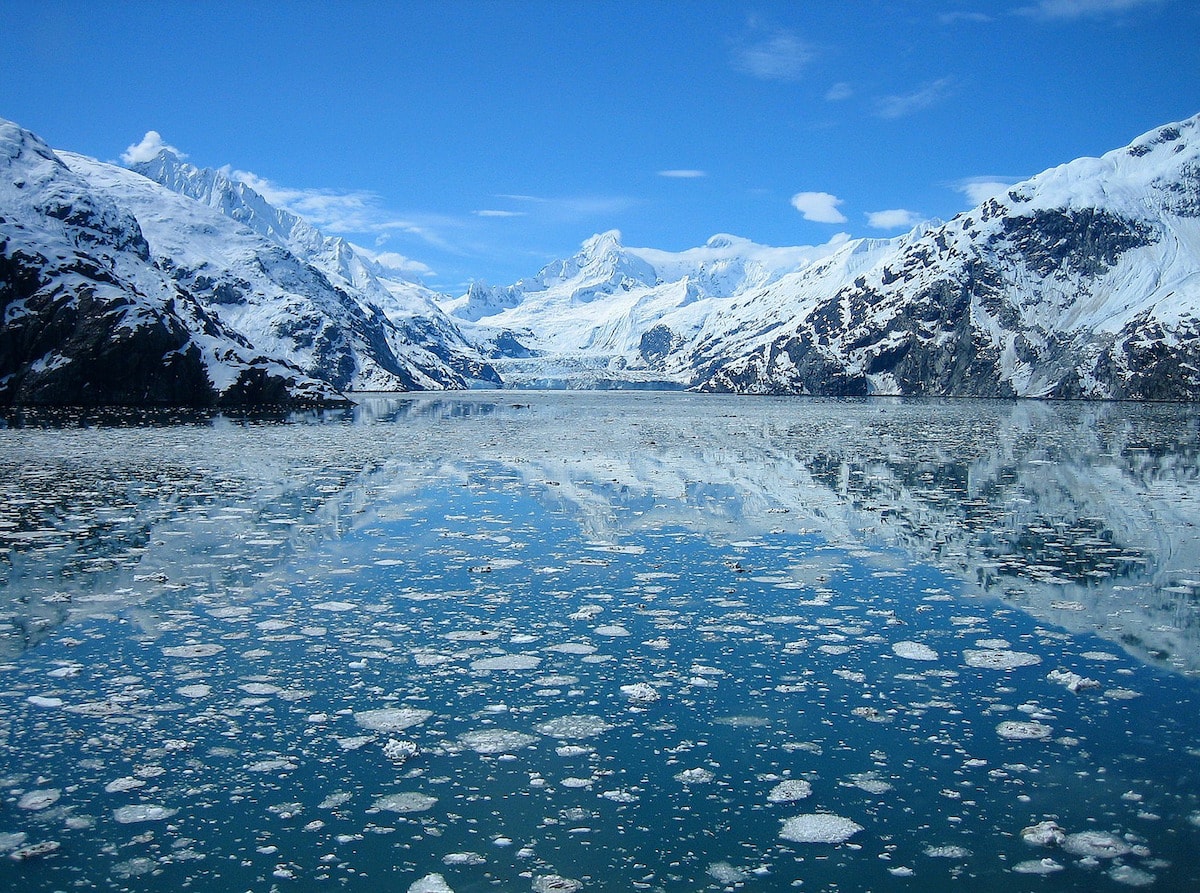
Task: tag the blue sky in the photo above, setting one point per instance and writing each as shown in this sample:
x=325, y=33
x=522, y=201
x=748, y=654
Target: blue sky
x=479, y=140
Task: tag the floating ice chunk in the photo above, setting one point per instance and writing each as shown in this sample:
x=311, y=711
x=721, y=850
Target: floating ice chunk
x=620, y=796
x=694, y=776
x=901, y=871
x=507, y=662
x=1099, y=655
x=641, y=692
x=1130, y=876
x=336, y=607
x=1016, y=730
x=202, y=650
x=142, y=812
x=10, y=840
x=1043, y=834
x=870, y=782
x=555, y=883
x=463, y=859
x=39, y=799
x=1037, y=866
x=405, y=802
x=789, y=791
x=431, y=883
x=725, y=873
x=999, y=659
x=198, y=690
x=490, y=741
x=1073, y=682
x=399, y=751
x=333, y=801
x=573, y=648
x=819, y=828
x=950, y=851
x=120, y=785
x=35, y=850
x=613, y=630
x=914, y=651
x=585, y=725
x=391, y=719
x=260, y=688
x=1096, y=844
x=40, y=701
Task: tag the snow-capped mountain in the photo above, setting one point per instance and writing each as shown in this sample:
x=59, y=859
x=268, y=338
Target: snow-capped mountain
x=88, y=317
x=607, y=316
x=1083, y=281
x=423, y=342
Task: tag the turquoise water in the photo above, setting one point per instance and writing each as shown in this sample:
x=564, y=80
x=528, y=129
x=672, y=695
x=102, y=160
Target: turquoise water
x=620, y=642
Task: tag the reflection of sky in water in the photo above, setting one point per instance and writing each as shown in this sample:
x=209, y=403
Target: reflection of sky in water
x=617, y=624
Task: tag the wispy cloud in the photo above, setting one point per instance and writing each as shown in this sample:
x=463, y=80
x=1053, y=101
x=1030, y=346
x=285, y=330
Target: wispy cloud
x=904, y=104
x=776, y=56
x=951, y=18
x=1079, y=9
x=683, y=174
x=839, y=92
x=489, y=212
x=979, y=189
x=575, y=207
x=896, y=218
x=819, y=207
x=151, y=144
x=395, y=264
x=344, y=211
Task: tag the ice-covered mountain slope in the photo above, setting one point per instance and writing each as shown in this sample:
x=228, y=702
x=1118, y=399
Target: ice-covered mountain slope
x=1083, y=281
x=608, y=315
x=420, y=338
x=86, y=315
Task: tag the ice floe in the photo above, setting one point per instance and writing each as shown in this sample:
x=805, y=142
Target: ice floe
x=496, y=741
x=999, y=659
x=1020, y=730
x=789, y=791
x=914, y=651
x=392, y=719
x=819, y=827
x=143, y=812
x=405, y=802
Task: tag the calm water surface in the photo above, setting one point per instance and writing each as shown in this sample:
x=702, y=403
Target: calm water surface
x=604, y=642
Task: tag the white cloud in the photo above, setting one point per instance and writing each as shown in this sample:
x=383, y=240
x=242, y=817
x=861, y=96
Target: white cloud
x=819, y=207
x=394, y=263
x=148, y=149
x=1078, y=9
x=489, y=212
x=897, y=218
x=344, y=211
x=683, y=174
x=905, y=104
x=778, y=56
x=979, y=189
x=839, y=92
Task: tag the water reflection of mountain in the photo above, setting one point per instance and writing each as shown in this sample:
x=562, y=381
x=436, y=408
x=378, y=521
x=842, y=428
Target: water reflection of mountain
x=1083, y=514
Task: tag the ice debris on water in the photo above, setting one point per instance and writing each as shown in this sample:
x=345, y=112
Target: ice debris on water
x=819, y=827
x=641, y=692
x=789, y=791
x=699, y=775
x=405, y=802
x=577, y=726
x=431, y=883
x=1018, y=730
x=555, y=883
x=40, y=799
x=1073, y=682
x=202, y=650
x=142, y=812
x=1037, y=866
x=392, y=719
x=495, y=741
x=914, y=651
x=399, y=751
x=999, y=659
